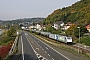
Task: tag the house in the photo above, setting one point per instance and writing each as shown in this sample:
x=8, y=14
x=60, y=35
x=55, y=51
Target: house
x=32, y=27
x=23, y=27
x=88, y=27
x=69, y=23
x=43, y=27
x=58, y=24
x=38, y=27
x=66, y=26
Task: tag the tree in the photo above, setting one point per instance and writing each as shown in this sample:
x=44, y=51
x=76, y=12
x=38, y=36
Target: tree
x=87, y=22
x=11, y=32
x=21, y=25
x=70, y=30
x=83, y=30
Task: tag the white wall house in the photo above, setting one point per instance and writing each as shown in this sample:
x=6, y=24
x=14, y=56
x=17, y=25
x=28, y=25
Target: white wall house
x=66, y=27
x=58, y=24
x=31, y=27
x=38, y=27
x=23, y=27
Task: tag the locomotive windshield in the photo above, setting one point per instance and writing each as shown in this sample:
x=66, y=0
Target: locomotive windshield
x=69, y=37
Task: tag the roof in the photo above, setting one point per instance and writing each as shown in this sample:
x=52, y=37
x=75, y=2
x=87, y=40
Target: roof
x=88, y=26
x=69, y=23
x=58, y=22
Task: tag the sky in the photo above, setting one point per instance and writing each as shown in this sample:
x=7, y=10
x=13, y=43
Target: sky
x=15, y=9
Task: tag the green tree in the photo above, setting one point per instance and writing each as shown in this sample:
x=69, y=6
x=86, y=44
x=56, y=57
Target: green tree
x=78, y=12
x=85, y=40
x=83, y=30
x=11, y=31
x=70, y=30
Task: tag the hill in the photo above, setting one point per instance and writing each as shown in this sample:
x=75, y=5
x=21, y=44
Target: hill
x=17, y=21
x=78, y=12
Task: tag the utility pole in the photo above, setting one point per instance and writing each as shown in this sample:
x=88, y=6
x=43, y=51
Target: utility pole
x=79, y=40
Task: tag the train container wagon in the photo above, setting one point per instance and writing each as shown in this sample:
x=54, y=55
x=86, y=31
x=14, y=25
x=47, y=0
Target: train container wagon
x=52, y=36
x=62, y=39
x=37, y=32
x=47, y=34
x=42, y=33
x=56, y=36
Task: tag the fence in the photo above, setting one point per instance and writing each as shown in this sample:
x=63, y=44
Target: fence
x=11, y=52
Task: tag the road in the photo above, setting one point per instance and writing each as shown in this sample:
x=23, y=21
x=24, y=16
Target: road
x=35, y=49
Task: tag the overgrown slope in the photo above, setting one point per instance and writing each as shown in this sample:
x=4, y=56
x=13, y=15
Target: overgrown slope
x=78, y=12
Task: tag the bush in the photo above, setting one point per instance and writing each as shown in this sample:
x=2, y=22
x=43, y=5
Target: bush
x=4, y=51
x=5, y=40
x=11, y=32
x=85, y=40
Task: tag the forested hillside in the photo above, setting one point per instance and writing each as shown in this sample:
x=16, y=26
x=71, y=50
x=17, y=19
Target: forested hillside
x=17, y=21
x=78, y=12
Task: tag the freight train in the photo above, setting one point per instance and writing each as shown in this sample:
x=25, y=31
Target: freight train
x=57, y=37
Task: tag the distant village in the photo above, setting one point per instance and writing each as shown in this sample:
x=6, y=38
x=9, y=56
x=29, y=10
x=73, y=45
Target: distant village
x=56, y=25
